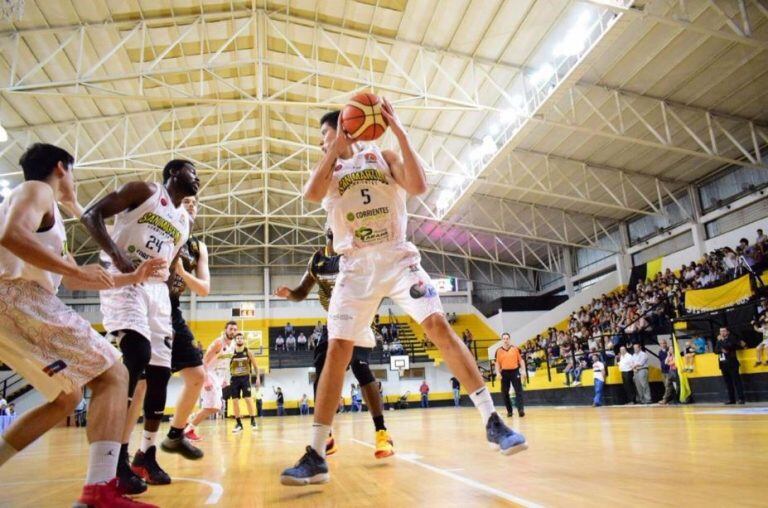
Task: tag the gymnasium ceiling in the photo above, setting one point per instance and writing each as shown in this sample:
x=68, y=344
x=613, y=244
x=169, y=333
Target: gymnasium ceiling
x=543, y=122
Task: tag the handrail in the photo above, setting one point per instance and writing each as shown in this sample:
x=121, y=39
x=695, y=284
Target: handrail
x=6, y=384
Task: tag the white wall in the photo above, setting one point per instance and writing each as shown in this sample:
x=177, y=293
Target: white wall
x=677, y=259
x=508, y=321
x=731, y=238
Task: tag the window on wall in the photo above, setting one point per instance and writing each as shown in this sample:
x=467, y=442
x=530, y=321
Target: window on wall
x=588, y=257
x=751, y=213
x=664, y=248
x=731, y=184
x=674, y=213
x=414, y=373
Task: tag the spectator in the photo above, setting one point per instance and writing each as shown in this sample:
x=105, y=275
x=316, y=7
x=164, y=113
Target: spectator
x=396, y=348
x=279, y=343
x=627, y=371
x=259, y=396
x=761, y=237
x=301, y=341
x=280, y=401
x=288, y=329
x=509, y=365
x=11, y=409
x=470, y=338
x=424, y=390
x=668, y=371
x=598, y=369
x=640, y=367
x=304, y=405
x=762, y=349
x=726, y=348
x=313, y=338
x=456, y=391
x=341, y=405
x=290, y=343
x=570, y=372
x=385, y=333
x=356, y=403
x=427, y=343
x=690, y=356
x=394, y=331
x=80, y=413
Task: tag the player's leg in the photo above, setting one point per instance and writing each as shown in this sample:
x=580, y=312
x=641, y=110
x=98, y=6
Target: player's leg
x=506, y=379
x=415, y=293
x=246, y=392
x=372, y=397
x=321, y=352
x=211, y=404
x=312, y=467
x=236, y=393
x=145, y=461
x=175, y=441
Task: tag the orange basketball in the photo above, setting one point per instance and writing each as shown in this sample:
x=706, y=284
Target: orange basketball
x=362, y=118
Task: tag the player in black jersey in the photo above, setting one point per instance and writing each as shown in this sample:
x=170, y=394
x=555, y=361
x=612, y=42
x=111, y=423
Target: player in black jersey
x=191, y=271
x=241, y=366
x=322, y=270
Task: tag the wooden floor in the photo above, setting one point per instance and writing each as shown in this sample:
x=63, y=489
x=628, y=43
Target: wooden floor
x=693, y=456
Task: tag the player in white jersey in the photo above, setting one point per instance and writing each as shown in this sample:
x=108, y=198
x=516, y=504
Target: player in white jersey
x=216, y=363
x=45, y=341
x=150, y=222
x=364, y=191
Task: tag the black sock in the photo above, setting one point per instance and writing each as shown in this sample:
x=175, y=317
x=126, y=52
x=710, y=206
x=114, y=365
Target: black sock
x=123, y=457
x=253, y=420
x=175, y=433
x=239, y=423
x=378, y=422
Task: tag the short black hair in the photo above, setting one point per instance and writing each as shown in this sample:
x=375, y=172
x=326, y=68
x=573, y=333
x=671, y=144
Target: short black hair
x=40, y=159
x=174, y=165
x=331, y=118
x=230, y=323
x=507, y=334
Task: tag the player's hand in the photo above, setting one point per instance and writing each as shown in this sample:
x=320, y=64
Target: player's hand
x=95, y=275
x=343, y=140
x=179, y=269
x=283, y=292
x=71, y=205
x=388, y=112
x=149, y=268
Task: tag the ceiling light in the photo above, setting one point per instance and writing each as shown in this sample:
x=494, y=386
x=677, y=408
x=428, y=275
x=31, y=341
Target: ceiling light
x=4, y=183
x=489, y=145
x=542, y=75
x=5, y=192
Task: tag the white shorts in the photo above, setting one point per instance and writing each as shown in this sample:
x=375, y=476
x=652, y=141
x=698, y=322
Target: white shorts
x=47, y=342
x=368, y=276
x=145, y=309
x=211, y=399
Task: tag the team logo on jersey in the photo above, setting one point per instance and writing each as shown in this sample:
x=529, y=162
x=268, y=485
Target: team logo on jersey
x=163, y=201
x=350, y=216
x=131, y=249
x=363, y=233
x=162, y=224
x=420, y=290
x=367, y=176
x=370, y=157
x=54, y=367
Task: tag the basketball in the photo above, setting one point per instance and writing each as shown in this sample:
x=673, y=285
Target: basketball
x=361, y=118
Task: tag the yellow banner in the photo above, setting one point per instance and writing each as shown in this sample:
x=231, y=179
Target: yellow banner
x=652, y=268
x=732, y=293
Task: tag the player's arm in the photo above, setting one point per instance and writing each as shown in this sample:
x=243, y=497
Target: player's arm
x=143, y=272
x=255, y=365
x=27, y=208
x=127, y=197
x=408, y=172
x=300, y=292
x=320, y=179
x=208, y=359
x=200, y=282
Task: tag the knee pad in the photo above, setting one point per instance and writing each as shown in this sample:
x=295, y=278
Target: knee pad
x=136, y=351
x=157, y=388
x=362, y=372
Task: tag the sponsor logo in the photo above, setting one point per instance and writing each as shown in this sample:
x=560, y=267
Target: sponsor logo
x=55, y=367
x=366, y=176
x=350, y=216
x=364, y=214
x=341, y=317
x=370, y=157
x=131, y=249
x=420, y=290
x=363, y=233
x=161, y=224
x=338, y=167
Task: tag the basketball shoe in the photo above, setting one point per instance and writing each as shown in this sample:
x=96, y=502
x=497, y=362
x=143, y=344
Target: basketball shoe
x=330, y=446
x=129, y=482
x=145, y=465
x=502, y=437
x=107, y=495
x=310, y=469
x=192, y=435
x=238, y=428
x=384, y=446
x=183, y=447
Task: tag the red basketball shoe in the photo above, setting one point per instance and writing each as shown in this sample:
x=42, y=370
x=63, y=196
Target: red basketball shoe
x=107, y=495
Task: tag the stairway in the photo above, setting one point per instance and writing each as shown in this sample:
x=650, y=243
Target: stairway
x=413, y=345
x=13, y=387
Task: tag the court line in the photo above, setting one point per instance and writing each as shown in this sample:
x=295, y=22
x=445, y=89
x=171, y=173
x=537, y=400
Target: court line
x=467, y=481
x=216, y=489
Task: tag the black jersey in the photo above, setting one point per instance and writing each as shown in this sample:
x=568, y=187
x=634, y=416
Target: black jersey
x=240, y=364
x=324, y=269
x=189, y=256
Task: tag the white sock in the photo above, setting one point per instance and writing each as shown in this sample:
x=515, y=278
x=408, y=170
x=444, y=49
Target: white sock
x=6, y=451
x=319, y=435
x=102, y=461
x=148, y=440
x=483, y=402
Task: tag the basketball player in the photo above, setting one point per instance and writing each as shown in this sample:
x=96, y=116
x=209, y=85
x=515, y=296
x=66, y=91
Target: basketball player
x=364, y=192
x=185, y=357
x=45, y=341
x=322, y=270
x=216, y=363
x=149, y=223
x=241, y=365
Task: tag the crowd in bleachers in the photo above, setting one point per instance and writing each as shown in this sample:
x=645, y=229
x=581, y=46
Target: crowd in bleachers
x=627, y=316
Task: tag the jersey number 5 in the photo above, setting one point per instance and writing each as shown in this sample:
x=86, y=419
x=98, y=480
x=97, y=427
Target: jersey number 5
x=366, y=196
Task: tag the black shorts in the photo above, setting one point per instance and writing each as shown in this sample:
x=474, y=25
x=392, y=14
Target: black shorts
x=184, y=353
x=359, y=362
x=240, y=387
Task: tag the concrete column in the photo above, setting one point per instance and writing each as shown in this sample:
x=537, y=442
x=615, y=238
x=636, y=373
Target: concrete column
x=623, y=258
x=698, y=231
x=267, y=292
x=568, y=272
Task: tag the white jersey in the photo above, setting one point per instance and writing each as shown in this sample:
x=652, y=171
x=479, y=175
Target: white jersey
x=155, y=229
x=365, y=206
x=55, y=239
x=221, y=364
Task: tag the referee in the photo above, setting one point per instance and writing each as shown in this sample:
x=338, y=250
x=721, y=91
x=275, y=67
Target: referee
x=511, y=366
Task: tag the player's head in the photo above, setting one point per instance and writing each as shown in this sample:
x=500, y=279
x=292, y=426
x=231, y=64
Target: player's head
x=49, y=163
x=239, y=342
x=190, y=205
x=230, y=330
x=328, y=124
x=182, y=175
